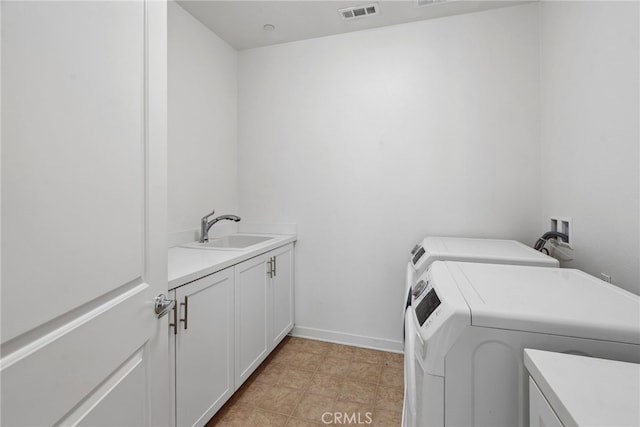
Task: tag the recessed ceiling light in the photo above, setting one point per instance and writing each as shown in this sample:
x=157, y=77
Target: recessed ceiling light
x=269, y=27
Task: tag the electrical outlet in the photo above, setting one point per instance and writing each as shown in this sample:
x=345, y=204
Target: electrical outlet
x=563, y=225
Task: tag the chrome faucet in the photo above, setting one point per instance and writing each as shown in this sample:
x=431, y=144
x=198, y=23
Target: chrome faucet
x=205, y=224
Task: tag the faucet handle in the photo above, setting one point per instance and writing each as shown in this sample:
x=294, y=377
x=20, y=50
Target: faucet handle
x=204, y=218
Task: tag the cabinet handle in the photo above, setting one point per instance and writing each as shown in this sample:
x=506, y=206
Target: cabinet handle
x=275, y=266
x=186, y=311
x=175, y=320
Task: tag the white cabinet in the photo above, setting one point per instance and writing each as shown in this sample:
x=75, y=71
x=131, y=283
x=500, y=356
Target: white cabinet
x=540, y=412
x=263, y=308
x=251, y=301
x=281, y=290
x=204, y=347
x=574, y=390
x=227, y=324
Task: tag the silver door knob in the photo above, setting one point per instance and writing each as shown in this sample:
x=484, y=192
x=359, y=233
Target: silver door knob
x=162, y=305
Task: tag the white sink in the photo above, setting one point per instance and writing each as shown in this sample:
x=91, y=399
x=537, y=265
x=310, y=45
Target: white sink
x=231, y=242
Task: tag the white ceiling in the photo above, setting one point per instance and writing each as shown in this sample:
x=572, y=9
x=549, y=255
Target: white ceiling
x=240, y=23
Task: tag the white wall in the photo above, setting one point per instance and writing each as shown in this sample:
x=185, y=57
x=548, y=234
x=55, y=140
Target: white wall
x=202, y=153
x=590, y=132
x=371, y=140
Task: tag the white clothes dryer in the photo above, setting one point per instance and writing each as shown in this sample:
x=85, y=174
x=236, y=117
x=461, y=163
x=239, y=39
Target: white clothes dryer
x=489, y=251
x=467, y=329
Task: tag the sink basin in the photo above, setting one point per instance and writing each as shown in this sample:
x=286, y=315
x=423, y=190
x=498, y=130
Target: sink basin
x=232, y=241
x=239, y=241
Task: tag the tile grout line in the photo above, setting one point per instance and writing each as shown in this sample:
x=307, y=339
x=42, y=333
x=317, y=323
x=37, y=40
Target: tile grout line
x=317, y=369
x=322, y=356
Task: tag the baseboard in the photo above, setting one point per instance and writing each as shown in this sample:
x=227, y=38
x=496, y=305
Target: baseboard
x=348, y=339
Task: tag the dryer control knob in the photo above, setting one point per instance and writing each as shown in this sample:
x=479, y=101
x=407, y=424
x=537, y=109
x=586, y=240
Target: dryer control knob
x=418, y=288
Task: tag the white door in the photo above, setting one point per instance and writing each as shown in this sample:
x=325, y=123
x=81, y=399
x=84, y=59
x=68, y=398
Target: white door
x=83, y=213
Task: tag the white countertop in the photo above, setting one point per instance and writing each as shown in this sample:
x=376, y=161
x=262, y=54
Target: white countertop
x=585, y=391
x=187, y=264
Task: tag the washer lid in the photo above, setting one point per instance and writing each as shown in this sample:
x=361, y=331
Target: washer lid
x=487, y=250
x=546, y=300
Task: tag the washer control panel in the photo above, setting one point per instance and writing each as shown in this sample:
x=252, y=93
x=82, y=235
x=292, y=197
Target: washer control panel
x=419, y=251
x=425, y=300
x=427, y=306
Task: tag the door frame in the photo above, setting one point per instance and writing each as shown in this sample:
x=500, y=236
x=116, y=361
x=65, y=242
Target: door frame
x=156, y=234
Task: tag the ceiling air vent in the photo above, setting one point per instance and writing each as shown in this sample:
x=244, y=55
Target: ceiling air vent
x=359, y=11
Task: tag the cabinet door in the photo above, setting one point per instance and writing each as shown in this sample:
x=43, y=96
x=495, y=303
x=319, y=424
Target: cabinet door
x=540, y=412
x=281, y=290
x=204, y=347
x=251, y=298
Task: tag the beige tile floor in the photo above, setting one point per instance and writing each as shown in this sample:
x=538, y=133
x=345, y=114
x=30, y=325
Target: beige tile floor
x=313, y=383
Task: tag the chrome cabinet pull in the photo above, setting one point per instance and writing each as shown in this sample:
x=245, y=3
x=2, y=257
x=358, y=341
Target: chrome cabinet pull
x=275, y=266
x=174, y=325
x=271, y=269
x=186, y=311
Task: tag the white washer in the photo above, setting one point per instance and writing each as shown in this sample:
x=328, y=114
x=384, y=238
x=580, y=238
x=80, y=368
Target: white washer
x=490, y=251
x=467, y=329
